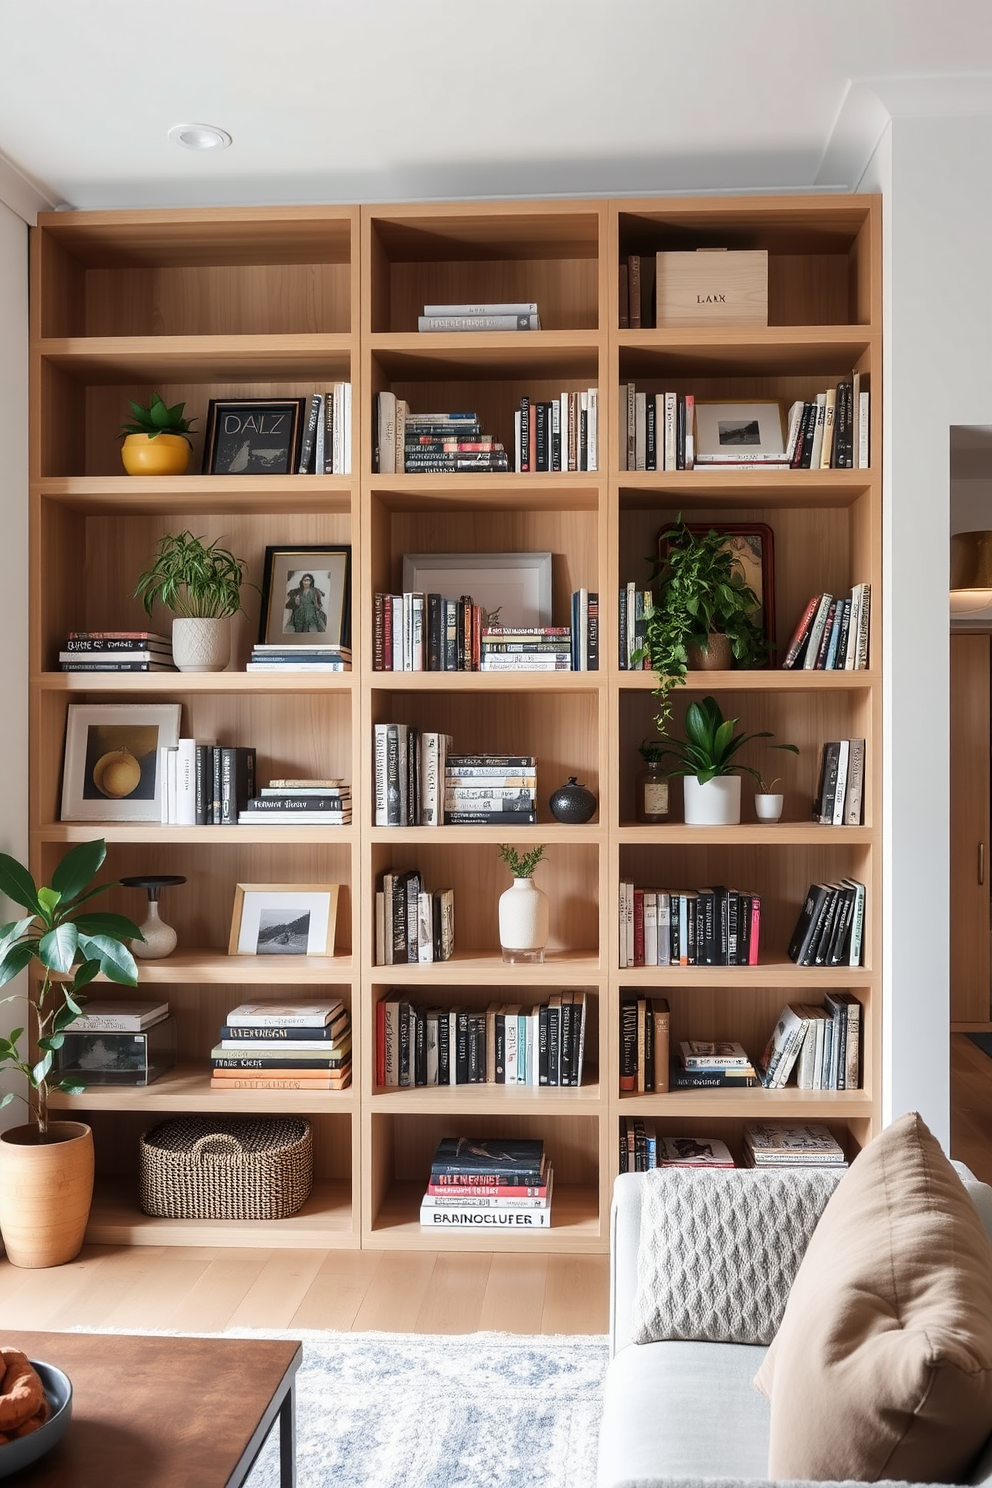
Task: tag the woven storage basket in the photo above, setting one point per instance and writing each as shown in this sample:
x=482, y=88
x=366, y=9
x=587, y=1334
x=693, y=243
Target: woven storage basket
x=226, y=1167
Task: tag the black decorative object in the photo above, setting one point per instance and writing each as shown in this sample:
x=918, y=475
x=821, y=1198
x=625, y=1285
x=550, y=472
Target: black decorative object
x=573, y=804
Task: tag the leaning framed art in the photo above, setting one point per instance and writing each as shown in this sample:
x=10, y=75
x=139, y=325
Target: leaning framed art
x=112, y=769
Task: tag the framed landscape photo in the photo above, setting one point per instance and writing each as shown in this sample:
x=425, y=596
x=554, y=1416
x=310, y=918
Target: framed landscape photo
x=253, y=436
x=112, y=769
x=753, y=546
x=739, y=429
x=516, y=586
x=306, y=596
x=283, y=920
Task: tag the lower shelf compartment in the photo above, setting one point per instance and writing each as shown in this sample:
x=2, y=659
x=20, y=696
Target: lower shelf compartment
x=325, y=1222
x=575, y=1225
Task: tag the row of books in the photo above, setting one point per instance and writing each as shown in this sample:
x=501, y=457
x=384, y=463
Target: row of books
x=205, y=785
x=830, y=927
x=830, y=431
x=428, y=443
x=284, y=656
x=560, y=433
x=506, y=1044
x=832, y=634
x=644, y=1044
x=636, y=284
x=413, y=924
x=283, y=1046
x=418, y=782
x=414, y=632
x=715, y=926
x=325, y=448
x=489, y=1183
x=657, y=430
x=643, y=1148
x=634, y=607
x=839, y=799
x=299, y=801
x=116, y=651
x=765, y=1144
x=821, y=1045
x=510, y=316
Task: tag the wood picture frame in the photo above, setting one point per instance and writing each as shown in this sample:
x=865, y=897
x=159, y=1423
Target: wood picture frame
x=253, y=436
x=753, y=545
x=283, y=920
x=306, y=596
x=518, y=585
x=112, y=768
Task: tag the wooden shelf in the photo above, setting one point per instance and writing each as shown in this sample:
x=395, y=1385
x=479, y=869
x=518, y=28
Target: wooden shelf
x=789, y=1104
x=113, y=495
x=772, y=971
x=758, y=681
x=155, y=359
x=438, y=357
x=685, y=490
x=489, y=1099
x=574, y=1223
x=700, y=351
x=550, y=491
x=748, y=834
x=218, y=969
x=185, y=1088
x=326, y=1222
x=488, y=969
x=168, y=683
x=150, y=832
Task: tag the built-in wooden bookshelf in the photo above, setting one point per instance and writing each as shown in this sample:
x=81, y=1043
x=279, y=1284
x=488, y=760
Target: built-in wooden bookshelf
x=199, y=304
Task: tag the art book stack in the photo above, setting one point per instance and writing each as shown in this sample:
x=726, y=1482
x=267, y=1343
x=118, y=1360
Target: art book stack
x=412, y=923
x=512, y=316
x=822, y=1045
x=506, y=1044
x=430, y=443
x=641, y=1148
x=287, y=656
x=707, y=1064
x=489, y=1184
x=116, y=651
x=303, y=803
x=117, y=1043
x=490, y=790
x=775, y=1144
x=283, y=1046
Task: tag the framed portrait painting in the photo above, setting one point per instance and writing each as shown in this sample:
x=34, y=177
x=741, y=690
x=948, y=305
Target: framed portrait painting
x=283, y=920
x=112, y=769
x=306, y=597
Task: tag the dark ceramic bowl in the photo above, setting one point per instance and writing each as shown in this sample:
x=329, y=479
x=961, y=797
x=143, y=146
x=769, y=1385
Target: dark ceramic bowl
x=26, y=1449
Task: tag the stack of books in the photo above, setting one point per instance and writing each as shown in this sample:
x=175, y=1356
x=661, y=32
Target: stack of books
x=284, y=656
x=505, y=1045
x=644, y=1044
x=830, y=431
x=705, y=1064
x=830, y=928
x=413, y=924
x=775, y=1144
x=414, y=632
x=117, y=1043
x=206, y=785
x=832, y=634
x=408, y=775
x=490, y=790
x=822, y=1045
x=430, y=443
x=305, y=803
x=839, y=799
x=656, y=430
x=515, y=316
x=688, y=927
x=488, y=1183
x=560, y=433
x=290, y=1046
x=117, y=1017
x=536, y=648
x=325, y=448
x=116, y=651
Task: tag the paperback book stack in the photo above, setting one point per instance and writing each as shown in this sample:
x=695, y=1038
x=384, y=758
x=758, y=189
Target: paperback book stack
x=413, y=924
x=839, y=799
x=830, y=928
x=657, y=430
x=325, y=448
x=506, y=1044
x=775, y=1144
x=288, y=1046
x=644, y=1044
x=430, y=443
x=820, y=1044
x=515, y=316
x=116, y=651
x=688, y=927
x=832, y=634
x=284, y=656
x=489, y=1184
x=206, y=785
x=490, y=790
x=721, y=1064
x=560, y=433
x=303, y=803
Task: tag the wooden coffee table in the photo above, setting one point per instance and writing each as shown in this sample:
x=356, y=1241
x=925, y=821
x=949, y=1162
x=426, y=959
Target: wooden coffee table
x=156, y=1412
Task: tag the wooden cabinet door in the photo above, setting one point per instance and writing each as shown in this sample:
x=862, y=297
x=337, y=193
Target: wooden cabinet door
x=970, y=865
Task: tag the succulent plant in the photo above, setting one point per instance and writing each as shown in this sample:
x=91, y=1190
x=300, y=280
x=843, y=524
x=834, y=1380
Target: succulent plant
x=158, y=418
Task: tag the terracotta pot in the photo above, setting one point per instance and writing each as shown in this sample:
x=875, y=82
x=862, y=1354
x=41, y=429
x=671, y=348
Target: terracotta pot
x=165, y=454
x=46, y=1189
x=719, y=657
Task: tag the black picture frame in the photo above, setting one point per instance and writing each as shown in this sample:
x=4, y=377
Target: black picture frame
x=253, y=436
x=754, y=547
x=328, y=567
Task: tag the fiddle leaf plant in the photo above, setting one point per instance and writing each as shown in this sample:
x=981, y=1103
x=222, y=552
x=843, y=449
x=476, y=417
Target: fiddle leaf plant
x=193, y=579
x=66, y=945
x=710, y=745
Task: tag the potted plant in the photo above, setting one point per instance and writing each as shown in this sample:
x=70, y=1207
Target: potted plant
x=201, y=584
x=651, y=783
x=156, y=440
x=768, y=802
x=703, y=612
x=523, y=909
x=46, y=1167
x=707, y=761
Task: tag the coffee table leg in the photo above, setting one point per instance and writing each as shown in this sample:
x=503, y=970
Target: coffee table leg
x=287, y=1440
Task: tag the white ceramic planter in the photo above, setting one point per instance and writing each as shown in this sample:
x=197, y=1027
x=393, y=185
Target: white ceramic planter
x=160, y=938
x=768, y=805
x=523, y=922
x=715, y=804
x=201, y=645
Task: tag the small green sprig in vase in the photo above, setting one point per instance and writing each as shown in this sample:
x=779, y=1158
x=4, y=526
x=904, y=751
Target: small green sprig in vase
x=524, y=914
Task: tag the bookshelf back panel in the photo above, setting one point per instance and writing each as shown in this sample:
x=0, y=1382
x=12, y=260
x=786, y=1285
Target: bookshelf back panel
x=218, y=300
x=570, y=1142
x=564, y=290
x=116, y=1136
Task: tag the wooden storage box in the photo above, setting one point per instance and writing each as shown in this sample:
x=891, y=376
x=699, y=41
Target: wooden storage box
x=712, y=287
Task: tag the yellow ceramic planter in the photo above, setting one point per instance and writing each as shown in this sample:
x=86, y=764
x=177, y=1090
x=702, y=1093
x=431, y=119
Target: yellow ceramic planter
x=161, y=454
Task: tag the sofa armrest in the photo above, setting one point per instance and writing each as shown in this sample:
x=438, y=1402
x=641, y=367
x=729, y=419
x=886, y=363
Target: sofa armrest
x=625, y=1232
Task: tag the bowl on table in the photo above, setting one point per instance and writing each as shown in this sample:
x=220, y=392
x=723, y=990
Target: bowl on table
x=26, y=1449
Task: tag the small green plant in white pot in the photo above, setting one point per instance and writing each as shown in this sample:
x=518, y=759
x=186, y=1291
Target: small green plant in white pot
x=768, y=802
x=524, y=916
x=707, y=761
x=201, y=584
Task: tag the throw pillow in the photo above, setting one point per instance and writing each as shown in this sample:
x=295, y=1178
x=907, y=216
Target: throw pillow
x=882, y=1367
x=719, y=1249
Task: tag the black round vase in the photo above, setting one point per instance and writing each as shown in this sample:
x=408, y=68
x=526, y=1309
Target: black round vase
x=573, y=804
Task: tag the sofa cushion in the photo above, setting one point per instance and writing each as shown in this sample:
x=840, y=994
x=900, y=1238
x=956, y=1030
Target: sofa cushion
x=719, y=1250
x=882, y=1367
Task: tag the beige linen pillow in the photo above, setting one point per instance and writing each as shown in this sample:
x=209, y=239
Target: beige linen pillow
x=882, y=1367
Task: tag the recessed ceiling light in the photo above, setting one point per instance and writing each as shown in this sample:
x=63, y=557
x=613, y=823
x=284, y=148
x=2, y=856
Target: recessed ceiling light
x=199, y=136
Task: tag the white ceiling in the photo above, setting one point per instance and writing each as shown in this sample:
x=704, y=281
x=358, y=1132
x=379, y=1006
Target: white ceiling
x=378, y=100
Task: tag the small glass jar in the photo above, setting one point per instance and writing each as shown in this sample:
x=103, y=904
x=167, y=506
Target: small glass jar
x=651, y=788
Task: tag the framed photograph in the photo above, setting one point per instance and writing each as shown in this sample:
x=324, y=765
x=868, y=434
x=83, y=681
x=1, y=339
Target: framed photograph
x=253, y=436
x=306, y=597
x=753, y=545
x=739, y=428
x=515, y=587
x=112, y=767
x=283, y=920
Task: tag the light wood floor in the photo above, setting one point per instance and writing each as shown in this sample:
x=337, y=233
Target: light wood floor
x=207, y=1290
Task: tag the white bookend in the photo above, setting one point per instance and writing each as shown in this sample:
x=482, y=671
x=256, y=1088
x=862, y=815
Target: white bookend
x=863, y=452
x=186, y=783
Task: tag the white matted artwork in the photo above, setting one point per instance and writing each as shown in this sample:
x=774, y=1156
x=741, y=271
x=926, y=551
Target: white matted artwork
x=517, y=585
x=739, y=428
x=283, y=920
x=112, y=768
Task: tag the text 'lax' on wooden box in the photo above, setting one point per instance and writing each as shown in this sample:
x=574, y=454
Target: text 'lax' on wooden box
x=712, y=286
